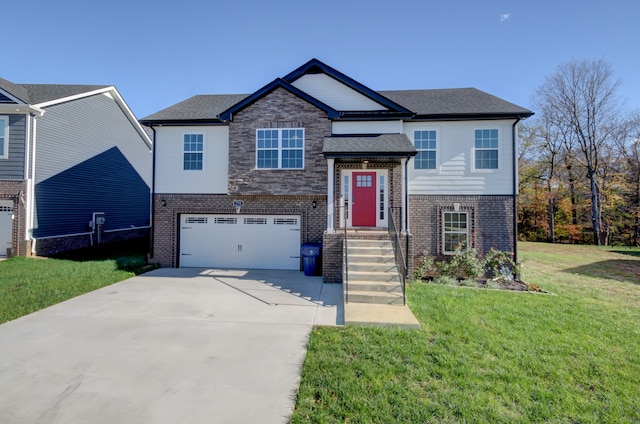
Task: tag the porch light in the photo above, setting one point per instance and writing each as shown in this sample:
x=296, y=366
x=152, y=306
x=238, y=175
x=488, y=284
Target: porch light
x=314, y=204
x=364, y=164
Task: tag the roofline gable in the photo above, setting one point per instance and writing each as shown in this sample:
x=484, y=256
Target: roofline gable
x=227, y=115
x=315, y=66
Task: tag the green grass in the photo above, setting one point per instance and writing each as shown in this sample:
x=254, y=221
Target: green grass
x=30, y=284
x=493, y=356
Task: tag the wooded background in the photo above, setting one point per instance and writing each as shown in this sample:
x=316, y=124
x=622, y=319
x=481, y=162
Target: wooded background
x=579, y=160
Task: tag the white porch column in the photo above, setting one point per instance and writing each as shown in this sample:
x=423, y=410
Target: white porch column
x=405, y=195
x=330, y=195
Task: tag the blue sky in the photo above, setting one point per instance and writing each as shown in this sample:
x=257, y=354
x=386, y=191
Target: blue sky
x=161, y=52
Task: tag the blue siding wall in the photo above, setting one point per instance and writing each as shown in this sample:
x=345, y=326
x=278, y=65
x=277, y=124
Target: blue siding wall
x=13, y=167
x=5, y=99
x=105, y=183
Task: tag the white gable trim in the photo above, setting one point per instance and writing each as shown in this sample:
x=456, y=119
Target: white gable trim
x=114, y=94
x=335, y=94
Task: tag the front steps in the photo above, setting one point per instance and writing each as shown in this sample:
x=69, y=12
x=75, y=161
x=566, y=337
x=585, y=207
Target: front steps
x=372, y=273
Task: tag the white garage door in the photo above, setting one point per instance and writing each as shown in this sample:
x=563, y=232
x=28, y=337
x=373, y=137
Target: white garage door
x=240, y=241
x=6, y=225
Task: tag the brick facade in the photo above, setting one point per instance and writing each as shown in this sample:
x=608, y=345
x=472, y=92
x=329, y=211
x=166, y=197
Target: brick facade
x=168, y=207
x=17, y=191
x=279, y=109
x=491, y=222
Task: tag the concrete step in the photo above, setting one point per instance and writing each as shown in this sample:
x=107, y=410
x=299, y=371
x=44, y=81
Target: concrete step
x=370, y=251
x=375, y=297
x=372, y=259
x=373, y=286
x=377, y=276
x=373, y=267
x=397, y=316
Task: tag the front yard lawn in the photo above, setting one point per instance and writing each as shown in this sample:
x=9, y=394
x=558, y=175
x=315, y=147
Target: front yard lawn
x=493, y=356
x=30, y=284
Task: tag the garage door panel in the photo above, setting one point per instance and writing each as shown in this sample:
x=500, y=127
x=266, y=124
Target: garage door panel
x=240, y=241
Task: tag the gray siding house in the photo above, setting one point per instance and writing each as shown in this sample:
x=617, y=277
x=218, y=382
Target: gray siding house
x=75, y=168
x=315, y=156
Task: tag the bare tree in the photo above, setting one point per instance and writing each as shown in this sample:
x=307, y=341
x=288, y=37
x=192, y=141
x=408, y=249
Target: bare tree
x=580, y=98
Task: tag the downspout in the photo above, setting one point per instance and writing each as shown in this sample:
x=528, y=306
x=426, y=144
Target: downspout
x=31, y=214
x=515, y=189
x=153, y=191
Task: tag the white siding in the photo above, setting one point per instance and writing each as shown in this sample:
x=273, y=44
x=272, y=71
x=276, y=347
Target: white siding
x=455, y=173
x=366, y=127
x=170, y=175
x=334, y=93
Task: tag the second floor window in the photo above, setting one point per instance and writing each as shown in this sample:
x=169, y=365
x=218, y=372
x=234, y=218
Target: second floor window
x=4, y=137
x=193, y=152
x=281, y=148
x=425, y=143
x=486, y=149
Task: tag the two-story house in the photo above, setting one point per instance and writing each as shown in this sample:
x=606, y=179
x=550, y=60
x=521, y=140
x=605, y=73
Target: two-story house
x=242, y=180
x=75, y=168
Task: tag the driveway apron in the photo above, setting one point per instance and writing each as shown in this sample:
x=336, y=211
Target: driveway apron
x=170, y=346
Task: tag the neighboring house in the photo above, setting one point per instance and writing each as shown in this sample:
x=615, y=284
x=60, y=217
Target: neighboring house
x=75, y=168
x=243, y=180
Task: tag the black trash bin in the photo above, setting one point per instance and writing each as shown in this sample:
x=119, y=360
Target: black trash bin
x=310, y=253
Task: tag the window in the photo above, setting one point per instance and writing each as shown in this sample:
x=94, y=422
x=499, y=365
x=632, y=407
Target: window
x=486, y=149
x=193, y=151
x=280, y=148
x=455, y=231
x=4, y=137
x=425, y=142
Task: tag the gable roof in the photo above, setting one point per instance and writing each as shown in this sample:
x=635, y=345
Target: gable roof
x=314, y=66
x=227, y=115
x=429, y=104
x=35, y=94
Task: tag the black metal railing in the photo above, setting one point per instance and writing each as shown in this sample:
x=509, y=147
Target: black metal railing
x=397, y=249
x=345, y=257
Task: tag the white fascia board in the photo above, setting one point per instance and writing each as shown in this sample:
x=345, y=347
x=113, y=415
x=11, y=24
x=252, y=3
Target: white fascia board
x=20, y=108
x=113, y=91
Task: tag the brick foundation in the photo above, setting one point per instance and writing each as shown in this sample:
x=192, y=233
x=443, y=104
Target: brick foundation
x=168, y=207
x=17, y=192
x=491, y=223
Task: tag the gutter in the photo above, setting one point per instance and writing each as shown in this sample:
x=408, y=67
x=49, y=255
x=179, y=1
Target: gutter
x=514, y=177
x=153, y=190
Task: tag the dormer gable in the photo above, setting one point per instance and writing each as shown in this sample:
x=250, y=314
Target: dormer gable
x=341, y=92
x=227, y=115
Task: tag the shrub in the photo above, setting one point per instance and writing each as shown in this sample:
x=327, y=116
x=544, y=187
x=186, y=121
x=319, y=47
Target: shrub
x=498, y=263
x=464, y=263
x=428, y=268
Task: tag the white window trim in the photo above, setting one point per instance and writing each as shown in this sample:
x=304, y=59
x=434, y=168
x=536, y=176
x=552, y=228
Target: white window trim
x=280, y=149
x=204, y=144
x=468, y=233
x=5, y=153
x=380, y=223
x=473, y=150
x=437, y=150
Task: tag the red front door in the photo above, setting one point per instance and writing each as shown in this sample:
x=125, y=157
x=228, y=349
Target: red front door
x=364, y=199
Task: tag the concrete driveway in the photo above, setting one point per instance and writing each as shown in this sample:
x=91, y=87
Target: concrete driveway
x=170, y=346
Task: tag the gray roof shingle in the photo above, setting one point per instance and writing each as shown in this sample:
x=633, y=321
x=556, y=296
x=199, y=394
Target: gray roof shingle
x=376, y=144
x=40, y=93
x=453, y=101
x=200, y=107
x=424, y=103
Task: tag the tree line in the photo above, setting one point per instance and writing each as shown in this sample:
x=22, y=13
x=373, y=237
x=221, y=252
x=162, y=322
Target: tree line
x=579, y=160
